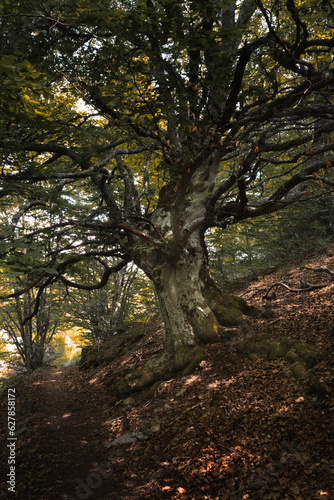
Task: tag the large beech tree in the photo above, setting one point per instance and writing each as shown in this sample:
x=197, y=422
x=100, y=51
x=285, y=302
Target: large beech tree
x=152, y=122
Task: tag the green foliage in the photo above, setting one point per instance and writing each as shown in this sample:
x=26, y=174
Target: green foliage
x=130, y=127
x=66, y=347
x=249, y=249
x=28, y=332
x=23, y=257
x=127, y=297
x=21, y=86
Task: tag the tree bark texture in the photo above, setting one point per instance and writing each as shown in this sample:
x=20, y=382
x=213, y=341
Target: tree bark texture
x=192, y=305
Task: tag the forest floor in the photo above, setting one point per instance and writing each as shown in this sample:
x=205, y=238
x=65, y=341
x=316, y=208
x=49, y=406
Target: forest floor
x=253, y=421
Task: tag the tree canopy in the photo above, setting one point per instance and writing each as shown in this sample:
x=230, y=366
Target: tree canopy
x=130, y=128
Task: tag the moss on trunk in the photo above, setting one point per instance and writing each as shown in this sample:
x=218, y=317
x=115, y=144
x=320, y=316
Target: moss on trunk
x=227, y=308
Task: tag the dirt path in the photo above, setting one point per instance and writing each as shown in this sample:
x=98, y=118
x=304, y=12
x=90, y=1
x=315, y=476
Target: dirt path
x=59, y=422
x=242, y=426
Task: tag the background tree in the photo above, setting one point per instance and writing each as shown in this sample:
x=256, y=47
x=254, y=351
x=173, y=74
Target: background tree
x=128, y=296
x=197, y=115
x=31, y=334
x=247, y=250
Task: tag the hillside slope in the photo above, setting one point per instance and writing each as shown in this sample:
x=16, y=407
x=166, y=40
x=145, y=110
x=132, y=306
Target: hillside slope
x=253, y=421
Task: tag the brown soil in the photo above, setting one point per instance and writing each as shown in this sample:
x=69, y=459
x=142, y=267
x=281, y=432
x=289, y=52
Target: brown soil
x=240, y=427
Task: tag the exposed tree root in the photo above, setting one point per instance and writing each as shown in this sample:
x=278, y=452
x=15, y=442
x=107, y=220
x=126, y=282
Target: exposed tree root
x=306, y=286
x=157, y=369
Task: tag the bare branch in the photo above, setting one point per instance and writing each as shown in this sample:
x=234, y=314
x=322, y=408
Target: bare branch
x=24, y=209
x=104, y=280
x=306, y=288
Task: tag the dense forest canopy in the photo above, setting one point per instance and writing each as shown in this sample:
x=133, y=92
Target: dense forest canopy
x=129, y=129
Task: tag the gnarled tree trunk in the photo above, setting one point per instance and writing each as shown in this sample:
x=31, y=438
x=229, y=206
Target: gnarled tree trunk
x=180, y=286
x=192, y=306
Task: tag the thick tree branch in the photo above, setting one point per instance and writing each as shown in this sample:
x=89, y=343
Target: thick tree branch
x=38, y=300
x=46, y=148
x=104, y=279
x=245, y=55
x=131, y=196
x=246, y=11
x=24, y=209
x=81, y=160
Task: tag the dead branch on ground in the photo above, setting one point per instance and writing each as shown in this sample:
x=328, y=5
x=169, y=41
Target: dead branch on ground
x=306, y=286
